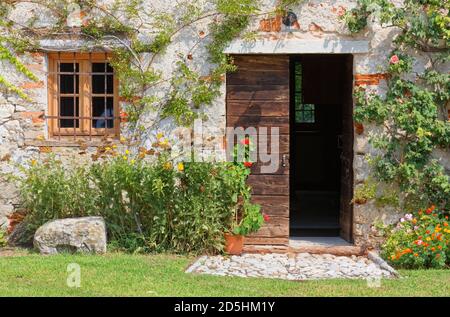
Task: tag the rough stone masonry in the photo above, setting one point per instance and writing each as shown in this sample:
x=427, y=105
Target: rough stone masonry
x=23, y=130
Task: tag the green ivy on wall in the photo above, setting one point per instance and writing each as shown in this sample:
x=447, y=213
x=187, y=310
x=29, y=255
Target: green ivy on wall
x=413, y=113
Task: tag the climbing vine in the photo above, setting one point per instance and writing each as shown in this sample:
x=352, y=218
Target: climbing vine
x=139, y=37
x=413, y=113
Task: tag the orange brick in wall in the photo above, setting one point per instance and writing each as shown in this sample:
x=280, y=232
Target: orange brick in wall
x=271, y=24
x=369, y=79
x=32, y=85
x=35, y=116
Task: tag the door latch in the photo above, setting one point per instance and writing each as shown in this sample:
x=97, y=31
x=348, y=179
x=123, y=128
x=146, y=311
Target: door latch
x=284, y=160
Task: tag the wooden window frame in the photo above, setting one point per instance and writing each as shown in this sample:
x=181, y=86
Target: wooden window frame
x=85, y=95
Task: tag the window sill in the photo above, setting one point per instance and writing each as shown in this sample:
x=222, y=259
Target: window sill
x=71, y=142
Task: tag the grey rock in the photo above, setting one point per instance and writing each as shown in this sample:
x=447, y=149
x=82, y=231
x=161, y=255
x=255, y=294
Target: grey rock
x=87, y=234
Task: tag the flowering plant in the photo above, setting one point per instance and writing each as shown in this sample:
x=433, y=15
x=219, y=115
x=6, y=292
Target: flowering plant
x=399, y=63
x=247, y=217
x=419, y=240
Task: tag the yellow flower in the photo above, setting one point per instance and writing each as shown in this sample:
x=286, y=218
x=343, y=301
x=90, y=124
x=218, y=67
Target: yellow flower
x=133, y=161
x=127, y=152
x=33, y=162
x=122, y=139
x=164, y=142
x=168, y=165
x=180, y=167
x=107, y=148
x=125, y=157
x=40, y=137
x=428, y=239
x=159, y=135
x=114, y=146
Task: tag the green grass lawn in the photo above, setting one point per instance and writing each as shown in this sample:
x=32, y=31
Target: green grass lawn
x=163, y=275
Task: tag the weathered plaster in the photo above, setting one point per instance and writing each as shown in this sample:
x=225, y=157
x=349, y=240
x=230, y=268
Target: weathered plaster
x=298, y=46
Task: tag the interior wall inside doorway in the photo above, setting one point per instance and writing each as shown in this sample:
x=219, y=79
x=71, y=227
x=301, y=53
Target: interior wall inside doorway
x=319, y=95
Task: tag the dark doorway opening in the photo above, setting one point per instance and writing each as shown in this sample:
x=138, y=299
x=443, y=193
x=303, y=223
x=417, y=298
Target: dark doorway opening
x=321, y=145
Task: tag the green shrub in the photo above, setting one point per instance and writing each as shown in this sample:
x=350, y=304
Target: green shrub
x=147, y=206
x=419, y=240
x=3, y=241
x=50, y=192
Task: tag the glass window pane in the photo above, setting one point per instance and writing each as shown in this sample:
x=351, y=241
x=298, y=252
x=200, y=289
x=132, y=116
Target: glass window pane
x=98, y=67
x=68, y=67
x=305, y=113
x=66, y=81
x=110, y=84
x=100, y=82
x=102, y=107
x=68, y=109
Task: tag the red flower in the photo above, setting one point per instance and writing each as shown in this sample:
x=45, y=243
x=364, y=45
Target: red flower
x=394, y=59
x=245, y=141
x=266, y=217
x=123, y=116
x=248, y=164
x=429, y=211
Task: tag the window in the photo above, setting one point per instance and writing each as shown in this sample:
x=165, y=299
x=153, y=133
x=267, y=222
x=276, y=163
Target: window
x=83, y=95
x=304, y=113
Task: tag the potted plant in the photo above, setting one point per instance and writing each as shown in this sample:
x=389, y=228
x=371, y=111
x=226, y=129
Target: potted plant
x=243, y=224
x=246, y=217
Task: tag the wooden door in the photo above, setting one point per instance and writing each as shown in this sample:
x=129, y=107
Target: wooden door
x=258, y=96
x=346, y=212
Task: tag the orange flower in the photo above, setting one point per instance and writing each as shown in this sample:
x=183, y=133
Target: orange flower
x=440, y=247
x=433, y=249
x=445, y=224
x=438, y=255
x=416, y=255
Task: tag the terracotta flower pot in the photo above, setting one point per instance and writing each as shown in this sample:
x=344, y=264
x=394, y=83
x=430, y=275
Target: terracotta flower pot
x=234, y=244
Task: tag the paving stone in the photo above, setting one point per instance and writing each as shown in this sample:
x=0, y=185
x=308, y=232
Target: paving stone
x=303, y=266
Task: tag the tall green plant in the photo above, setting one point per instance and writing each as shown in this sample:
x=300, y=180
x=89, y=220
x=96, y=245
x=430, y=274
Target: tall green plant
x=147, y=206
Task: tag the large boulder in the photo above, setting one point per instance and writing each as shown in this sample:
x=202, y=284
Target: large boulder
x=87, y=234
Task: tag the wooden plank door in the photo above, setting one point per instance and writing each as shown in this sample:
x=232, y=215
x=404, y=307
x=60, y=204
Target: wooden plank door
x=346, y=212
x=258, y=96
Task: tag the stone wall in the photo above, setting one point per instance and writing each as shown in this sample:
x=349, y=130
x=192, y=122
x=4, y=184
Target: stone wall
x=23, y=131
